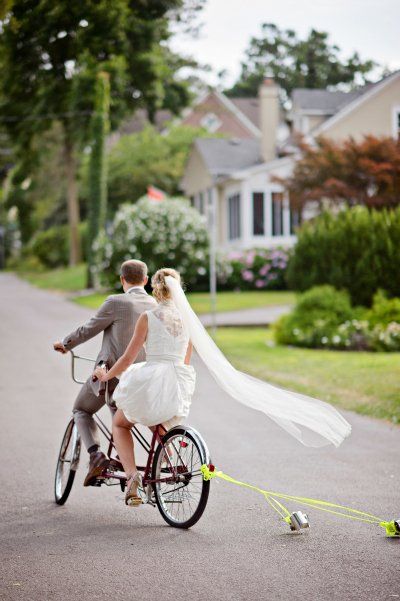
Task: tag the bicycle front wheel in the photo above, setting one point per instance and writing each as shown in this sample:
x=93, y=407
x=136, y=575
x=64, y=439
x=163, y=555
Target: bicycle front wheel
x=67, y=463
x=181, y=501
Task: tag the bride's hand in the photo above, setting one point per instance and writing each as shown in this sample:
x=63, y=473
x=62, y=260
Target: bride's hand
x=101, y=374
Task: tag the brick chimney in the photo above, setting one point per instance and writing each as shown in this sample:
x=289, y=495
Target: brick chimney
x=268, y=94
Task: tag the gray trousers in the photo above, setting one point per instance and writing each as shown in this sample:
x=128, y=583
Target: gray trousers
x=86, y=405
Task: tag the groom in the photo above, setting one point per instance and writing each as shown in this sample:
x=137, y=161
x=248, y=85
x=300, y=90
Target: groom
x=116, y=318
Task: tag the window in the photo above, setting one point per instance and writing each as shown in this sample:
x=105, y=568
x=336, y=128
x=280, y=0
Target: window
x=295, y=219
x=234, y=216
x=211, y=122
x=277, y=214
x=201, y=202
x=258, y=214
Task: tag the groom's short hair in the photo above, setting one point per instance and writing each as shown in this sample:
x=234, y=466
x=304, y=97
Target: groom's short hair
x=134, y=272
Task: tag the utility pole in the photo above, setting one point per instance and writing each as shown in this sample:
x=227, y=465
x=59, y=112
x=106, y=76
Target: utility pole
x=212, y=223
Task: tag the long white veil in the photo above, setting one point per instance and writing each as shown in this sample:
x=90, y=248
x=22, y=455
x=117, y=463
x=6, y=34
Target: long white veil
x=313, y=422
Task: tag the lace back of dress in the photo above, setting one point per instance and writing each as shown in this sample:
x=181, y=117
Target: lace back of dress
x=169, y=316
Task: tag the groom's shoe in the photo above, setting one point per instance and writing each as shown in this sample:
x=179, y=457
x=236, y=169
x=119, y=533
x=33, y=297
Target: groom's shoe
x=97, y=465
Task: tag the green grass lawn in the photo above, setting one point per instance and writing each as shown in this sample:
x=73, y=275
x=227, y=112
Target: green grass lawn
x=367, y=383
x=226, y=301
x=71, y=279
x=65, y=279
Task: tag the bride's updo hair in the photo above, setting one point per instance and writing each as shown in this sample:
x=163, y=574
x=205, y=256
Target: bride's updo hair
x=160, y=288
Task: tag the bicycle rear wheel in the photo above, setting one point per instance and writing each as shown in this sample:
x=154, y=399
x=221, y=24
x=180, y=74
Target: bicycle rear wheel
x=181, y=501
x=67, y=463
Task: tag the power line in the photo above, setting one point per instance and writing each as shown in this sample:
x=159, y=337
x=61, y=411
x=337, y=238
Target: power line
x=16, y=118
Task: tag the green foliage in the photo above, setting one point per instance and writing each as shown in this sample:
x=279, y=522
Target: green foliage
x=144, y=158
x=324, y=318
x=312, y=62
x=26, y=263
x=317, y=314
x=126, y=39
x=356, y=249
x=98, y=165
x=384, y=310
x=51, y=247
x=50, y=55
x=163, y=234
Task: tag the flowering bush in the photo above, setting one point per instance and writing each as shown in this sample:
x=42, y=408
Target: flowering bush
x=324, y=318
x=258, y=269
x=386, y=338
x=163, y=234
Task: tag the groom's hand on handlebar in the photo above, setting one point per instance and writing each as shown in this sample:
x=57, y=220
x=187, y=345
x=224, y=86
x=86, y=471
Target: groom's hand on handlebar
x=100, y=373
x=60, y=348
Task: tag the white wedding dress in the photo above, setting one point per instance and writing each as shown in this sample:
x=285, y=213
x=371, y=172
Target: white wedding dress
x=159, y=391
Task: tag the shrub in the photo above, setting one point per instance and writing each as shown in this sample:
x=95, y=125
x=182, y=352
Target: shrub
x=25, y=263
x=356, y=249
x=255, y=269
x=323, y=318
x=163, y=234
x=315, y=318
x=385, y=338
x=51, y=247
x=384, y=310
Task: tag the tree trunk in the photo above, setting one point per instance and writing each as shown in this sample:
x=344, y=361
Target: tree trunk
x=72, y=204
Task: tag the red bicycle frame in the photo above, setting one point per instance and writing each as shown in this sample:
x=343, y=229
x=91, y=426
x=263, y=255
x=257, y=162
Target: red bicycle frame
x=158, y=432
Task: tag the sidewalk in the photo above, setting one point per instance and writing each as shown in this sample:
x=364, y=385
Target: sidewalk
x=260, y=316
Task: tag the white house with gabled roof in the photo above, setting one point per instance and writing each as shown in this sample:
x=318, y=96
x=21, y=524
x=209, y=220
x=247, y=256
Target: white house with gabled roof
x=235, y=177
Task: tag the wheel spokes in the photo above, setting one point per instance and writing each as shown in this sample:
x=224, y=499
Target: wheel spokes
x=181, y=498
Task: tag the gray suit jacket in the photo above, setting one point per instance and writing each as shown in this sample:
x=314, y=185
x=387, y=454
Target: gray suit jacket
x=116, y=318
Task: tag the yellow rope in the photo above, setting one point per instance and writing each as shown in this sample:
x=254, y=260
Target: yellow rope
x=271, y=497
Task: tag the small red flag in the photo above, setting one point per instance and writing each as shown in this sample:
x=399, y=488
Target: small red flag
x=155, y=193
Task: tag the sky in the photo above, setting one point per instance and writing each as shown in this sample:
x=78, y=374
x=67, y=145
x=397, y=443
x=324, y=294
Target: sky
x=370, y=27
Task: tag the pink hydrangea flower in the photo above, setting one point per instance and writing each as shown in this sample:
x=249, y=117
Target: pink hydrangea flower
x=235, y=255
x=247, y=275
x=250, y=259
x=264, y=269
x=260, y=284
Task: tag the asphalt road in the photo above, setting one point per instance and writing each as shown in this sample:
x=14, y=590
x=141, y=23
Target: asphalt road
x=96, y=548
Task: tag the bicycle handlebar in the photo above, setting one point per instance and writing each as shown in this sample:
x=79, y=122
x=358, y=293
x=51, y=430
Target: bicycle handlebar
x=73, y=358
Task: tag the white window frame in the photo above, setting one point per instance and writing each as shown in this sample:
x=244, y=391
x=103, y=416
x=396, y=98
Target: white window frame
x=395, y=122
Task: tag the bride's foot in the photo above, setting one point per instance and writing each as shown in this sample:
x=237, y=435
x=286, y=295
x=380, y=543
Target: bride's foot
x=132, y=484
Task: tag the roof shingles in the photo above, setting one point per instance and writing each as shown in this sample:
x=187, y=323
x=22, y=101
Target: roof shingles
x=222, y=156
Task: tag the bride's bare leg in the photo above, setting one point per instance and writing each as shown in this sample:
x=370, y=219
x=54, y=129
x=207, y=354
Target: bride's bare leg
x=121, y=429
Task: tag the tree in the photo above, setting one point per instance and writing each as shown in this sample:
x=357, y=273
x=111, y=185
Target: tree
x=295, y=63
x=144, y=158
x=365, y=172
x=50, y=54
x=98, y=167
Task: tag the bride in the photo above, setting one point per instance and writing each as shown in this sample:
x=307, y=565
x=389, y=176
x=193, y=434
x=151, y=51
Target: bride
x=159, y=391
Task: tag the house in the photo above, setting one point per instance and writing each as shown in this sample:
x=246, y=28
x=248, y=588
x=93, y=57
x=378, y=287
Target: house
x=234, y=179
x=213, y=111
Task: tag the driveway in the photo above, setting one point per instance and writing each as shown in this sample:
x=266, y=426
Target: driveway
x=96, y=548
